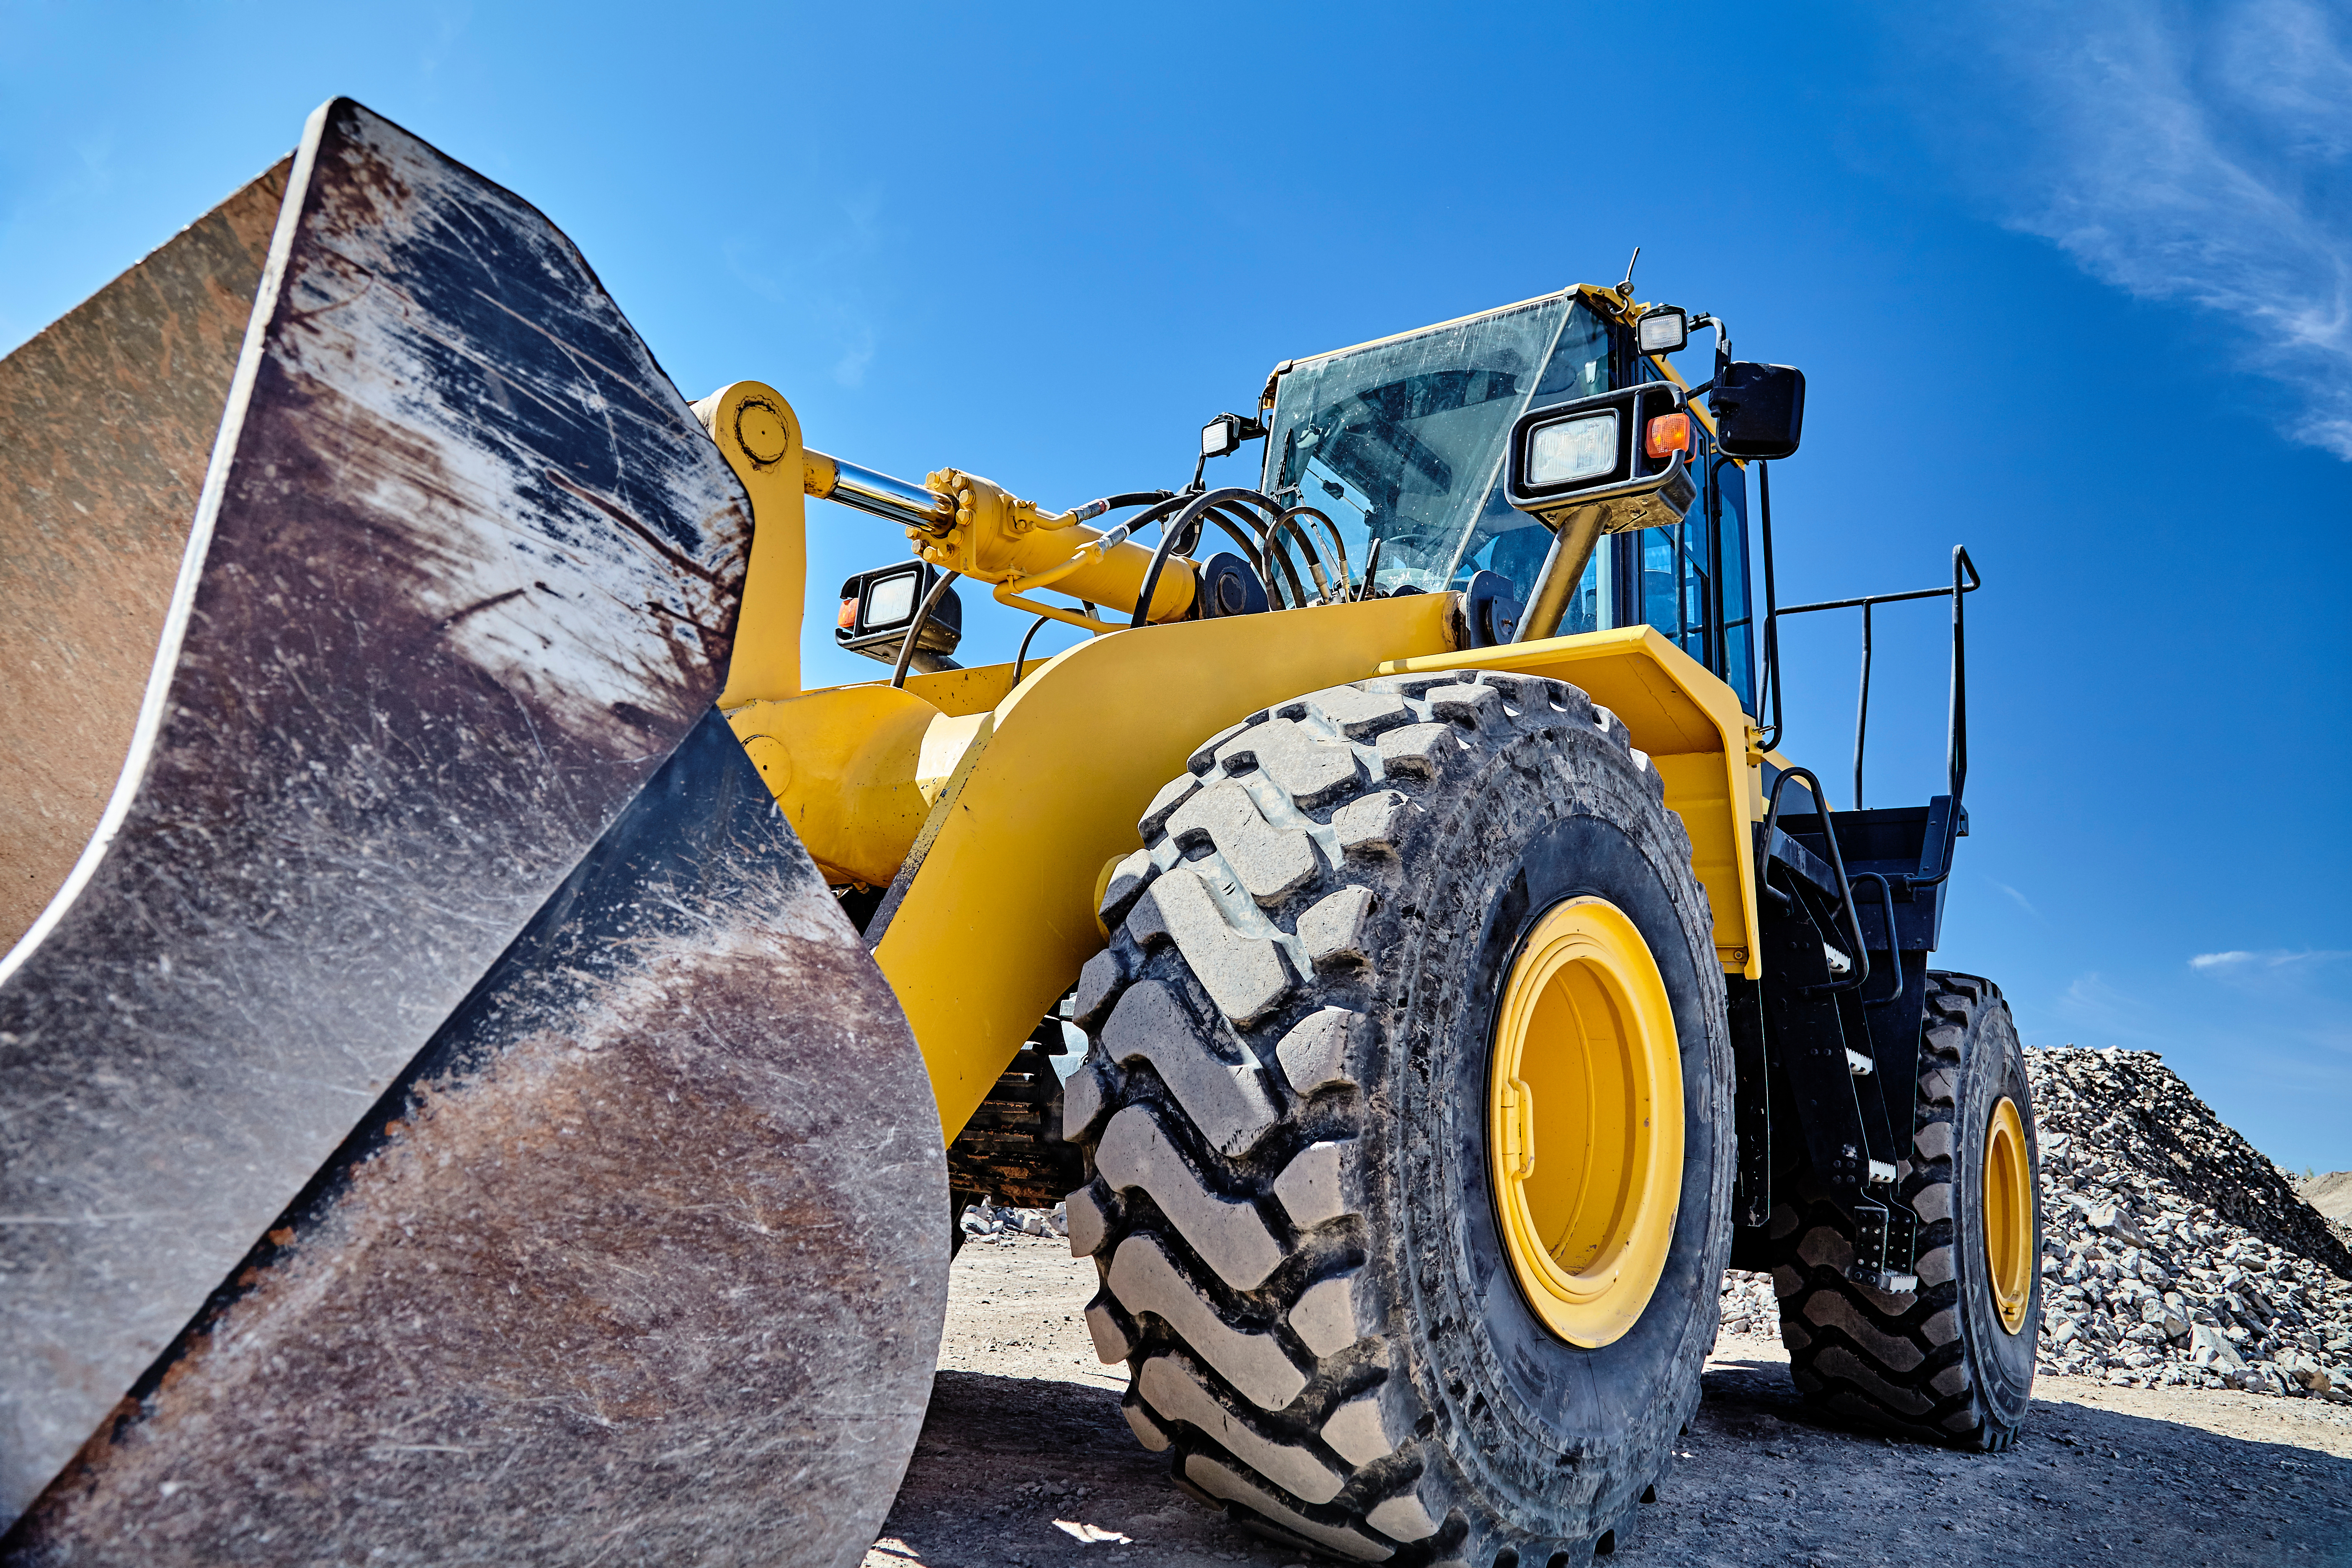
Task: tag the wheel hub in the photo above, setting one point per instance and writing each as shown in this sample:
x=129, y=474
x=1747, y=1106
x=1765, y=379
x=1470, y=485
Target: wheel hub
x=2009, y=1214
x=1584, y=1122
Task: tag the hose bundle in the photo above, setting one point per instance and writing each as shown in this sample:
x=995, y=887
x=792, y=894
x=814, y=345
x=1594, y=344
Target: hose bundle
x=1262, y=527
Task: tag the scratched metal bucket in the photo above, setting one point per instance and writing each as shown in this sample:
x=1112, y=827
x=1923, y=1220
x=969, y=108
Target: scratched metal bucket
x=443, y=1116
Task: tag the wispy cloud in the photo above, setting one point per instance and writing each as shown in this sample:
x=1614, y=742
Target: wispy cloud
x=2110, y=1016
x=2021, y=902
x=2197, y=154
x=2237, y=961
x=2306, y=979
x=849, y=370
x=823, y=277
x=2297, y=993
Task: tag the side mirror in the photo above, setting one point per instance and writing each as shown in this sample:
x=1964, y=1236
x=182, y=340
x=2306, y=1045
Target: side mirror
x=1626, y=452
x=1759, y=409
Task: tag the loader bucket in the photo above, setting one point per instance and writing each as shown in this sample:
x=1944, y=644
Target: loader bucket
x=444, y=1115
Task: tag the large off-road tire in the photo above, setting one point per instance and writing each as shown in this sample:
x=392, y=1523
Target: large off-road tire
x=1941, y=1362
x=1285, y=1105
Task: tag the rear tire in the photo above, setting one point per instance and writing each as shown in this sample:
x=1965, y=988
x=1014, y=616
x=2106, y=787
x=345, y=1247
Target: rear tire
x=1285, y=1112
x=1940, y=1362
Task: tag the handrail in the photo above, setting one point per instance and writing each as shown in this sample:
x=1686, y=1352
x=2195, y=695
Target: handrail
x=1893, y=947
x=1965, y=580
x=1837, y=864
x=1955, y=756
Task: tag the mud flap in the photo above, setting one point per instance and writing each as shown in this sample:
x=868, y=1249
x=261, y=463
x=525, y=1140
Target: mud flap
x=461, y=579
x=633, y=1264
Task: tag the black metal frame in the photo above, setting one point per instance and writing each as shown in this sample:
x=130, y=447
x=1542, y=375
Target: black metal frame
x=1828, y=1073
x=1842, y=886
x=1804, y=1093
x=1965, y=581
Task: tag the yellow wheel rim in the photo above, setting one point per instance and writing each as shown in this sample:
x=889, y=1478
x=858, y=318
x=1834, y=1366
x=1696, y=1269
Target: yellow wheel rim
x=1584, y=1122
x=2009, y=1214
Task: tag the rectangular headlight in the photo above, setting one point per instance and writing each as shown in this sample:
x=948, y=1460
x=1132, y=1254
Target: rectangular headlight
x=1567, y=456
x=1573, y=449
x=1663, y=330
x=891, y=600
x=877, y=606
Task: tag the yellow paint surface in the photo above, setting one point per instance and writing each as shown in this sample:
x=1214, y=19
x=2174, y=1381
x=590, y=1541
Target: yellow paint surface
x=997, y=919
x=1690, y=724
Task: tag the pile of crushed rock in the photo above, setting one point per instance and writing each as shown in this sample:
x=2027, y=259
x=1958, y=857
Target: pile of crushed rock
x=1748, y=1305
x=2173, y=1253
x=984, y=1221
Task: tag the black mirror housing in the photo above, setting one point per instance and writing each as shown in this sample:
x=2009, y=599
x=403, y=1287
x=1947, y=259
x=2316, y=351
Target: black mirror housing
x=1759, y=409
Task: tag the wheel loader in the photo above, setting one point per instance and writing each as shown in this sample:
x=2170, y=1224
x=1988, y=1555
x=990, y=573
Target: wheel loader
x=488, y=1057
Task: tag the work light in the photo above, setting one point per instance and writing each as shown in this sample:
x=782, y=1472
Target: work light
x=1225, y=434
x=1662, y=330
x=889, y=601
x=1578, y=449
x=877, y=606
x=1631, y=448
x=1607, y=464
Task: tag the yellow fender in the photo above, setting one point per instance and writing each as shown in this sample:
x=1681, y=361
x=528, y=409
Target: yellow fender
x=993, y=916
x=1690, y=724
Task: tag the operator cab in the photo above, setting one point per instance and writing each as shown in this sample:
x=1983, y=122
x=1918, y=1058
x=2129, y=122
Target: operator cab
x=1404, y=441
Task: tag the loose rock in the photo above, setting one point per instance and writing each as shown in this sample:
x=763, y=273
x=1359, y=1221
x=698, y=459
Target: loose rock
x=982, y=1220
x=2173, y=1253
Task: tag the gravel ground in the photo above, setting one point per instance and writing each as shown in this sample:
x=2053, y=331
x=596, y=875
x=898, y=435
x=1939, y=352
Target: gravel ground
x=1025, y=1460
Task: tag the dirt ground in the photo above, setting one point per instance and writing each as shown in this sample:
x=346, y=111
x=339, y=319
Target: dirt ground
x=1026, y=1461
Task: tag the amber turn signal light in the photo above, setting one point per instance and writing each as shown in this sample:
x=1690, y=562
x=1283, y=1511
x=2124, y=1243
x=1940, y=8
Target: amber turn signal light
x=848, y=616
x=1667, y=434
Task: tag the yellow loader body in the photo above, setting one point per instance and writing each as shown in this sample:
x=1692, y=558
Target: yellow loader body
x=992, y=812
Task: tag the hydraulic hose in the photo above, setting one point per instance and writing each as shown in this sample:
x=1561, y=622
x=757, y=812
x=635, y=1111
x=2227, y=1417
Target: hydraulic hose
x=915, y=628
x=1237, y=524
x=1186, y=524
x=1314, y=561
x=1095, y=508
x=1021, y=658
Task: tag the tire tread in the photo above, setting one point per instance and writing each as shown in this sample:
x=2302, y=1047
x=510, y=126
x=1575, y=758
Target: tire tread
x=1216, y=909
x=1896, y=1361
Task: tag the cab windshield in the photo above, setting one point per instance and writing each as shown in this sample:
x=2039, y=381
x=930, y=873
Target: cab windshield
x=1403, y=440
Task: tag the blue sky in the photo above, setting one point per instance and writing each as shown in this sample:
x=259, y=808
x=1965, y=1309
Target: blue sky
x=2071, y=285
